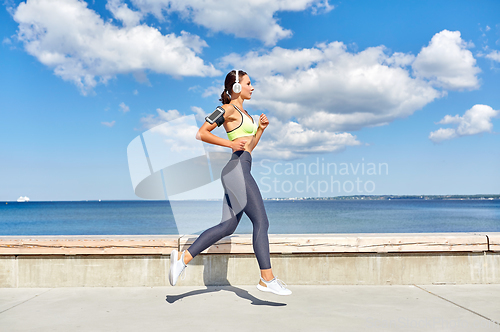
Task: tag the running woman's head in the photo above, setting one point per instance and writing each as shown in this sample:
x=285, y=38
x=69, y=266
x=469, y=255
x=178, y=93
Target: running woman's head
x=246, y=86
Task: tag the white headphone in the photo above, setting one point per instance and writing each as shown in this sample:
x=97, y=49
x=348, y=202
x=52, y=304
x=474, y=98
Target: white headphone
x=237, y=85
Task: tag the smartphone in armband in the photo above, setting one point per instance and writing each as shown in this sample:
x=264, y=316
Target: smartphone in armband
x=217, y=116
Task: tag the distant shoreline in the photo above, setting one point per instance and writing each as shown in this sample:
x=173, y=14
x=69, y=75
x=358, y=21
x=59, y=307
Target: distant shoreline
x=395, y=197
x=342, y=198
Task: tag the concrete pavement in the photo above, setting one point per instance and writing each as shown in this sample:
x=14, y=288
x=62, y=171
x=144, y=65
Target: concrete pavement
x=244, y=308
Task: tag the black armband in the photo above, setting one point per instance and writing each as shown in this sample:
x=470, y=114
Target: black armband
x=217, y=116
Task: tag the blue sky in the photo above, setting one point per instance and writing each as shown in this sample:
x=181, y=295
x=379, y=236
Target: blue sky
x=411, y=85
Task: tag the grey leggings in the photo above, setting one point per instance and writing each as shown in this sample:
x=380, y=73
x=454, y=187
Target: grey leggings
x=241, y=194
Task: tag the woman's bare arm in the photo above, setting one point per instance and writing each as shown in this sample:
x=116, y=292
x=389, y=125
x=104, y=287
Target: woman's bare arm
x=263, y=123
x=204, y=134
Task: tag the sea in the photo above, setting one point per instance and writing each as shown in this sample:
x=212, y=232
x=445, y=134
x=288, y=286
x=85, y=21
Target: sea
x=145, y=217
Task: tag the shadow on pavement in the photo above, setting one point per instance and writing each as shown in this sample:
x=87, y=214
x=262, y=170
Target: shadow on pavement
x=244, y=294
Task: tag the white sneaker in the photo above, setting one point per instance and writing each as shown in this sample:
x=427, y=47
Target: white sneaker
x=275, y=286
x=177, y=266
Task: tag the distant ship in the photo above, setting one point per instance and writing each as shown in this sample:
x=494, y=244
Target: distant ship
x=23, y=199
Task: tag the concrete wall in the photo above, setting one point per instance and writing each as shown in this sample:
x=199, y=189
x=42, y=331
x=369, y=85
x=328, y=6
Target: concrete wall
x=336, y=259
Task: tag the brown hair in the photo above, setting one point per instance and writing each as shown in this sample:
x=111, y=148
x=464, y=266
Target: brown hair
x=225, y=96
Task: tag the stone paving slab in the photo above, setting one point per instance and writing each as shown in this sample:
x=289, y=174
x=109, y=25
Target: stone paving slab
x=244, y=308
x=483, y=300
x=12, y=297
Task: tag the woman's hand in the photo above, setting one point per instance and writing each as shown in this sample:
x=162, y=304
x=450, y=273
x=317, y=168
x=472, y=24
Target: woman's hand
x=238, y=145
x=263, y=121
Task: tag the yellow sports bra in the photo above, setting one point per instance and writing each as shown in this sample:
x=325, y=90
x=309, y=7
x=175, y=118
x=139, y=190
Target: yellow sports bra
x=246, y=128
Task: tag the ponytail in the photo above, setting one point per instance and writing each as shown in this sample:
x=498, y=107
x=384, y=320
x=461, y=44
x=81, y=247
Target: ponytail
x=224, y=97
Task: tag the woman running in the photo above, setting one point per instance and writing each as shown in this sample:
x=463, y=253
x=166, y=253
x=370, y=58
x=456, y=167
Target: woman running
x=241, y=193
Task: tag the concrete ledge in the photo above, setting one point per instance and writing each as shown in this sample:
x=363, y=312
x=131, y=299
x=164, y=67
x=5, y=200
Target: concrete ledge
x=242, y=244
x=347, y=243
x=302, y=259
x=494, y=241
x=88, y=245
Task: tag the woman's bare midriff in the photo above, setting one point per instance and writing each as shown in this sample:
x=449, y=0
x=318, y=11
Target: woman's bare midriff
x=249, y=145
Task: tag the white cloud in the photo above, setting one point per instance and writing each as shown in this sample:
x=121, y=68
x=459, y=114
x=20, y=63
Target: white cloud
x=290, y=140
x=442, y=134
x=109, y=124
x=83, y=49
x=246, y=19
x=450, y=119
x=124, y=108
x=213, y=90
x=199, y=113
x=121, y=12
x=150, y=120
x=329, y=88
x=447, y=62
x=176, y=130
x=475, y=121
x=494, y=55
x=321, y=7
x=179, y=135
